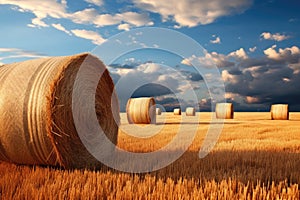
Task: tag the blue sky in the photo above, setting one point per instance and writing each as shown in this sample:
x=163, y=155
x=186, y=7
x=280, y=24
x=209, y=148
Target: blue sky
x=255, y=44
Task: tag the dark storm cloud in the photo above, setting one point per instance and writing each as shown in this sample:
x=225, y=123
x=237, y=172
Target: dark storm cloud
x=151, y=90
x=235, y=71
x=251, y=83
x=169, y=103
x=192, y=76
x=267, y=80
x=124, y=66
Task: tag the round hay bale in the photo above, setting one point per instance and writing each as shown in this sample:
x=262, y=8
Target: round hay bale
x=224, y=111
x=177, y=111
x=141, y=110
x=190, y=111
x=158, y=111
x=280, y=112
x=36, y=121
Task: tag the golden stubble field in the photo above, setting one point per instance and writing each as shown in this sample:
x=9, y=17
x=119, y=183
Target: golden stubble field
x=254, y=158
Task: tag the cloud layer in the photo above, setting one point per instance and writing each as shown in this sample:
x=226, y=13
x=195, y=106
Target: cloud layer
x=15, y=53
x=59, y=10
x=191, y=13
x=259, y=82
x=276, y=36
x=90, y=35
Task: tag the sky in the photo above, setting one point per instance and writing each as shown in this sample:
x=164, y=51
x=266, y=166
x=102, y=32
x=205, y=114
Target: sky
x=254, y=45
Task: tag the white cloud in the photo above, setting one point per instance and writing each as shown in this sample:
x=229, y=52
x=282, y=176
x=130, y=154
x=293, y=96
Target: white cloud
x=8, y=53
x=64, y=2
x=132, y=18
x=106, y=20
x=136, y=19
x=282, y=54
x=95, y=37
x=61, y=28
x=254, y=70
x=252, y=100
x=209, y=60
x=277, y=36
x=295, y=67
x=86, y=16
x=91, y=16
x=149, y=68
x=40, y=9
x=57, y=10
x=5, y=50
x=227, y=77
x=216, y=41
x=187, y=61
x=37, y=22
x=125, y=27
x=215, y=59
x=204, y=61
x=253, y=49
x=176, y=26
x=95, y=2
x=192, y=13
x=271, y=52
x=239, y=54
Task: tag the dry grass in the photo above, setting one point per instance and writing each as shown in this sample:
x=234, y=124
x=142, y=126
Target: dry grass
x=255, y=158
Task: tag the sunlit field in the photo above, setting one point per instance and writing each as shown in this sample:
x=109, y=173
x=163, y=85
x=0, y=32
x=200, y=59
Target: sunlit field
x=254, y=158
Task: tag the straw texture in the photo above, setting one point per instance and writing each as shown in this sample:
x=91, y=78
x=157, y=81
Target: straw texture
x=224, y=111
x=141, y=110
x=280, y=112
x=36, y=122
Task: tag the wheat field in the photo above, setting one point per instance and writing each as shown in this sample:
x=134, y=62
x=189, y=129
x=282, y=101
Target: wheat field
x=254, y=158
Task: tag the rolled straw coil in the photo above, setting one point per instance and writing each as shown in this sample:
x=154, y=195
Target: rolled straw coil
x=36, y=121
x=177, y=111
x=190, y=111
x=224, y=111
x=280, y=112
x=141, y=110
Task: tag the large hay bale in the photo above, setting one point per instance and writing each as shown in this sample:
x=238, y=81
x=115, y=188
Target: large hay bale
x=141, y=110
x=36, y=121
x=224, y=111
x=190, y=111
x=177, y=111
x=280, y=112
x=158, y=111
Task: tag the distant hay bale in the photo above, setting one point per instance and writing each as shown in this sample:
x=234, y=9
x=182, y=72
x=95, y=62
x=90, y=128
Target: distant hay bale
x=158, y=111
x=190, y=111
x=36, y=120
x=141, y=110
x=224, y=111
x=177, y=111
x=280, y=112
